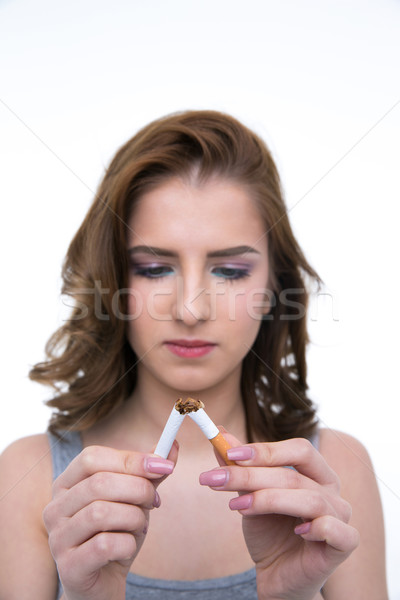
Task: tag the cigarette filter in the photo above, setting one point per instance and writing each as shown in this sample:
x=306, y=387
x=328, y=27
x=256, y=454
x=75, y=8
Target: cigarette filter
x=212, y=432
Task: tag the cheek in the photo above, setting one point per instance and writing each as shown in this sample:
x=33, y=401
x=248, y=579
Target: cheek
x=135, y=304
x=149, y=303
x=244, y=324
x=258, y=303
x=245, y=305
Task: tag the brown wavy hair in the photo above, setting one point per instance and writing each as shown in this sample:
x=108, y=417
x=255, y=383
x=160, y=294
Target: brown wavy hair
x=90, y=363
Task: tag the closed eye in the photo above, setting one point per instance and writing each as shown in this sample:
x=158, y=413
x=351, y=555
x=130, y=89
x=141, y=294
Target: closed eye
x=152, y=271
x=231, y=273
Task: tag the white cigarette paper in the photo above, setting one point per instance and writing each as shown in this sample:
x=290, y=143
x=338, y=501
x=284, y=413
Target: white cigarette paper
x=212, y=432
x=202, y=419
x=193, y=408
x=169, y=433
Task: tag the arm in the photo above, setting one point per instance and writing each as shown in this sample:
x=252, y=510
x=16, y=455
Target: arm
x=362, y=575
x=98, y=518
x=300, y=530
x=295, y=523
x=27, y=569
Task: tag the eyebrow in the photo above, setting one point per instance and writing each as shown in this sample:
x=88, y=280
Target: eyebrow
x=154, y=251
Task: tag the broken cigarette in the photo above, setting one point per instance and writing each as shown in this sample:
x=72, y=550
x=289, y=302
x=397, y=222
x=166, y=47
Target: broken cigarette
x=184, y=407
x=180, y=410
x=168, y=435
x=212, y=433
x=195, y=410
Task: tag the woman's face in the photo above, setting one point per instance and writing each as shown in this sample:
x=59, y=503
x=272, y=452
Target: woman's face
x=198, y=275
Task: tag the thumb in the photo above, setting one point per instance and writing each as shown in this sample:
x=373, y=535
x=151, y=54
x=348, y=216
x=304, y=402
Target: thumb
x=172, y=456
x=232, y=442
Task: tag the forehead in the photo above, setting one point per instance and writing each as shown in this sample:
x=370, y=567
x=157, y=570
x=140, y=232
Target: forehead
x=216, y=212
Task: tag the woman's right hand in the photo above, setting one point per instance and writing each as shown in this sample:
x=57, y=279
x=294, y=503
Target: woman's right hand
x=98, y=518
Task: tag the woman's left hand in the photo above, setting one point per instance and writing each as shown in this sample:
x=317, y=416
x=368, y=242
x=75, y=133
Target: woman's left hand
x=294, y=521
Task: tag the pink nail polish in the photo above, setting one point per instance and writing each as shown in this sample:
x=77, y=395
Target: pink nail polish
x=158, y=465
x=215, y=478
x=157, y=500
x=240, y=453
x=303, y=528
x=241, y=502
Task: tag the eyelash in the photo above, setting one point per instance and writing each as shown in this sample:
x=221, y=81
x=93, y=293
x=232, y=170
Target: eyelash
x=152, y=271
x=231, y=273
x=161, y=271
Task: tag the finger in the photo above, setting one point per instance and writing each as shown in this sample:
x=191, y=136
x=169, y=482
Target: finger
x=298, y=453
x=341, y=538
x=113, y=487
x=173, y=453
x=249, y=479
x=303, y=504
x=155, y=465
x=95, y=518
x=83, y=563
x=100, y=458
x=232, y=441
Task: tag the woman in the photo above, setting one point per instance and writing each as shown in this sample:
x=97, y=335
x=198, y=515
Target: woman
x=187, y=280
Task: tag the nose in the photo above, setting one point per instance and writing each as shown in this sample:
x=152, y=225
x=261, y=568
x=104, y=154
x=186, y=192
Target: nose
x=192, y=301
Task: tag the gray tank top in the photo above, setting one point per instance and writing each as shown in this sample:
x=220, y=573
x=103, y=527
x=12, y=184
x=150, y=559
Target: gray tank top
x=234, y=587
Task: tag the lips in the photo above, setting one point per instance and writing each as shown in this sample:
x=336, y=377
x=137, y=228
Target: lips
x=190, y=348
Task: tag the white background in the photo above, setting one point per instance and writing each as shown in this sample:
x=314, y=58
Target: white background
x=319, y=80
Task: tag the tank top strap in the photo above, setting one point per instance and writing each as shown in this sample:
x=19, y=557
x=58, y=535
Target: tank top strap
x=64, y=449
x=314, y=438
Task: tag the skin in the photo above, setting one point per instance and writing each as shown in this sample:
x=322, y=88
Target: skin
x=98, y=513
x=310, y=508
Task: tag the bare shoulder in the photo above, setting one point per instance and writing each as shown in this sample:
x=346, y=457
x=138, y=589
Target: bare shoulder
x=25, y=489
x=25, y=465
x=363, y=575
x=33, y=443
x=344, y=452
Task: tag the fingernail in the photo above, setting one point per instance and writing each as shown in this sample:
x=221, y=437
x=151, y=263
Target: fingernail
x=303, y=528
x=241, y=502
x=215, y=478
x=145, y=529
x=157, y=500
x=240, y=453
x=158, y=465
